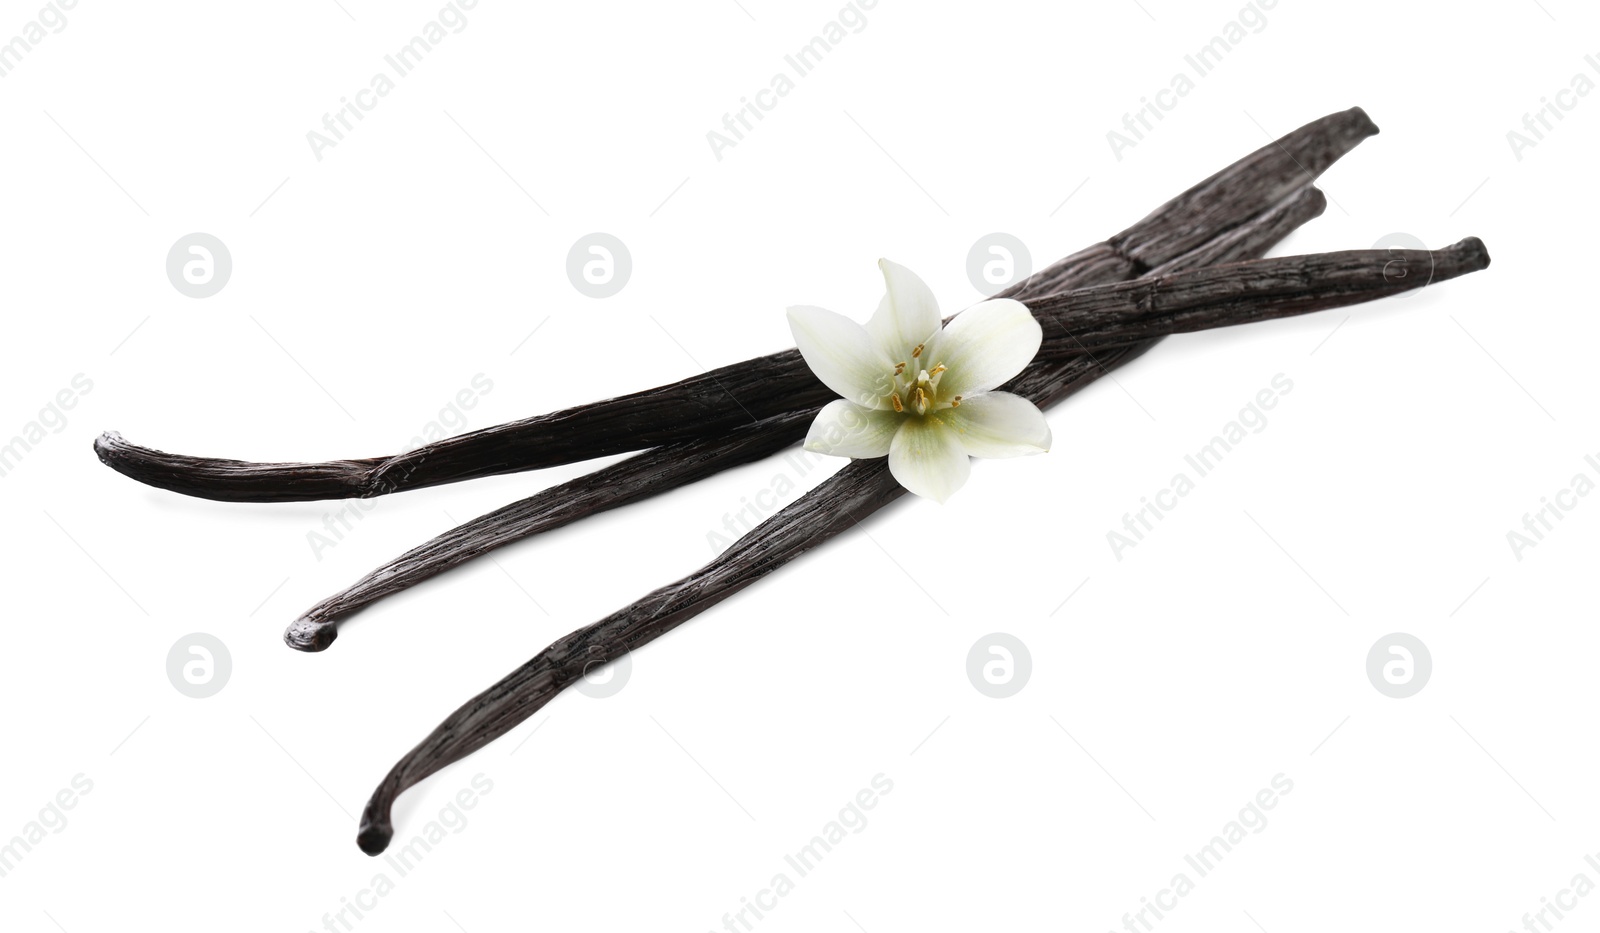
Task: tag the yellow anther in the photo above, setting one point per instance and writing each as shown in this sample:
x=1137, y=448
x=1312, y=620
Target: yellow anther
x=895, y=401
x=918, y=351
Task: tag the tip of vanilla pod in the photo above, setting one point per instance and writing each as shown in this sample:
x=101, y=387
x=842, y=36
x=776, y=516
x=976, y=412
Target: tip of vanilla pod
x=373, y=838
x=306, y=634
x=1362, y=122
x=106, y=444
x=1472, y=253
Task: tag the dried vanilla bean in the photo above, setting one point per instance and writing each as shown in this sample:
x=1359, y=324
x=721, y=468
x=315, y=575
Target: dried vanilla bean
x=1239, y=293
x=725, y=398
x=654, y=471
x=670, y=466
x=857, y=490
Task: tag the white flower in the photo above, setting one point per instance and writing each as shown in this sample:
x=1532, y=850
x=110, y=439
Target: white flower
x=919, y=393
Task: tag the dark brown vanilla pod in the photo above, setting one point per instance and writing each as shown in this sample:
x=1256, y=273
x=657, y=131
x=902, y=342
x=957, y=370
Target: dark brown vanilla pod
x=702, y=406
x=837, y=505
x=727, y=397
x=1208, y=211
x=654, y=471
x=1260, y=179
x=1240, y=293
x=236, y=480
x=668, y=467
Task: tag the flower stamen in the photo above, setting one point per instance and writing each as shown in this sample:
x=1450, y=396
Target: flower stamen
x=895, y=401
x=918, y=350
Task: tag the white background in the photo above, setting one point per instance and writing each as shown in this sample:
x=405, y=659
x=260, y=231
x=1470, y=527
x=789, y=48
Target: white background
x=370, y=286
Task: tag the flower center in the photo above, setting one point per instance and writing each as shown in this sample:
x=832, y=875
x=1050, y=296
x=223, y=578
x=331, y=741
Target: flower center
x=918, y=392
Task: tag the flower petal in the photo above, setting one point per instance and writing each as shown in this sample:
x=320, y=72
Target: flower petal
x=999, y=424
x=927, y=458
x=907, y=315
x=984, y=346
x=844, y=429
x=842, y=355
